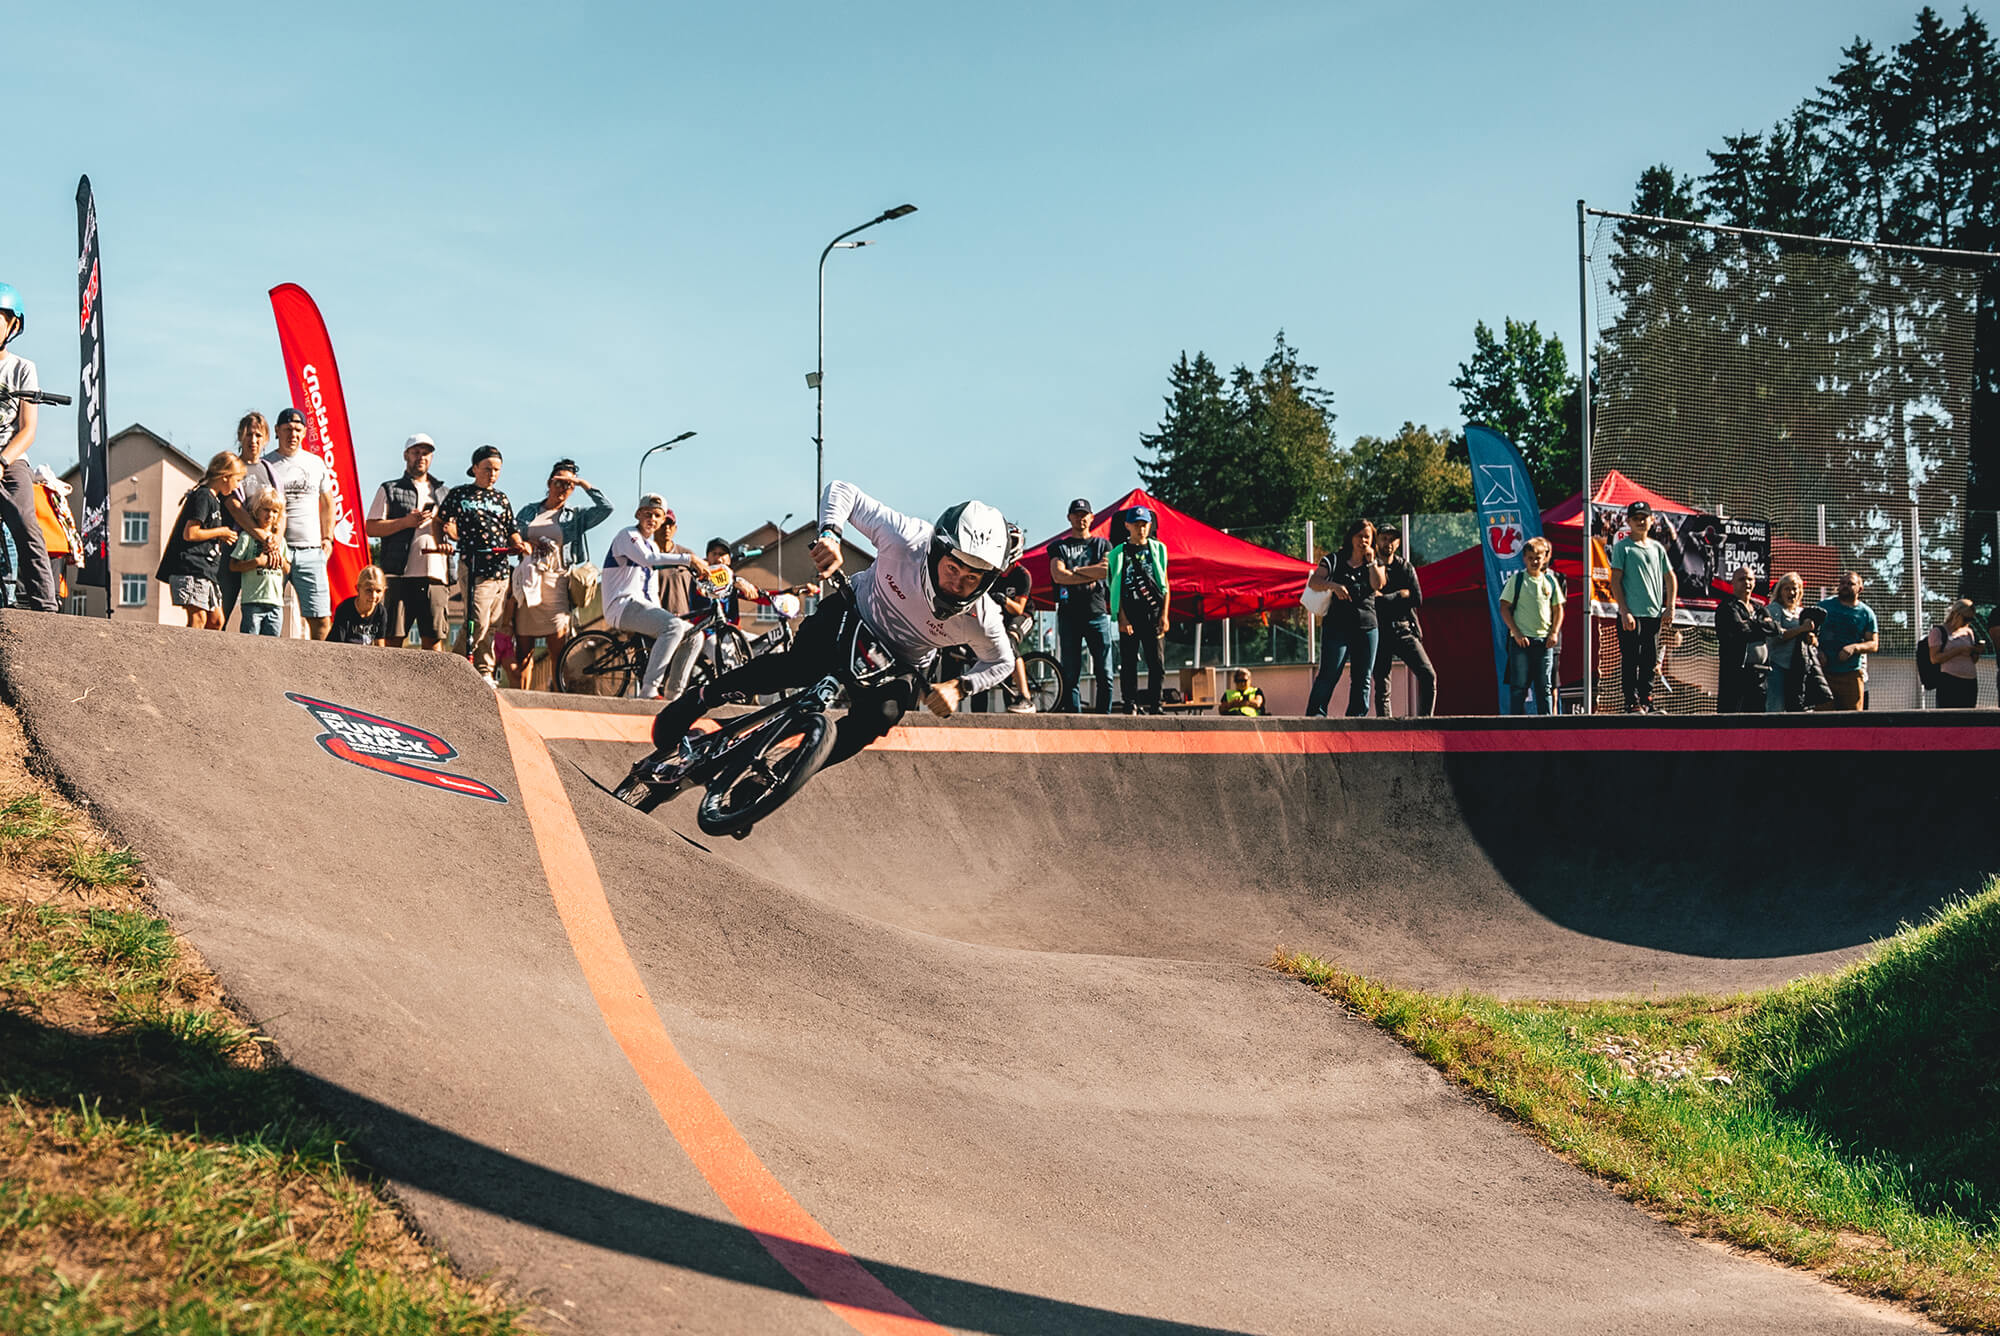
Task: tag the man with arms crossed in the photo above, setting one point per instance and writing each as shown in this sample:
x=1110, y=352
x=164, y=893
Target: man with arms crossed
x=1078, y=567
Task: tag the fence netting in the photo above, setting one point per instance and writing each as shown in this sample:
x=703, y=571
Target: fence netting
x=1797, y=406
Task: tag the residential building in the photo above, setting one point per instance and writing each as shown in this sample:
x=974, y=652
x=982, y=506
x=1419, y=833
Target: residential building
x=149, y=476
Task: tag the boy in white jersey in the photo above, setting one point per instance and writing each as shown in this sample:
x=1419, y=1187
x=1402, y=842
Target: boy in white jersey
x=924, y=593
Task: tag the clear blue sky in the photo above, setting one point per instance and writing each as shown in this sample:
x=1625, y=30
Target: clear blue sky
x=582, y=229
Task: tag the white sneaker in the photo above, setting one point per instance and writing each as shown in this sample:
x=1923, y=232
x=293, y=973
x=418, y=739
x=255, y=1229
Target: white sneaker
x=1022, y=706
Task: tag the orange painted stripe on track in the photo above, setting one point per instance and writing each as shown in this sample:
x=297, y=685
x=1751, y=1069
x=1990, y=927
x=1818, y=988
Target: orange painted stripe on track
x=751, y=1192
x=1251, y=740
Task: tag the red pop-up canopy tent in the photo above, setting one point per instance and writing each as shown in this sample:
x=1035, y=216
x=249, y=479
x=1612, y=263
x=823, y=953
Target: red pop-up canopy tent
x=1211, y=575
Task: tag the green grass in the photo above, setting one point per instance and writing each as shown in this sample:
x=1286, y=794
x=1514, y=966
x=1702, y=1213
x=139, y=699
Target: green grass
x=159, y=1170
x=1847, y=1122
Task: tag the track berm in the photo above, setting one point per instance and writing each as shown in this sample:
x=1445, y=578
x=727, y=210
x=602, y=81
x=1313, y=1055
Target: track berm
x=975, y=1034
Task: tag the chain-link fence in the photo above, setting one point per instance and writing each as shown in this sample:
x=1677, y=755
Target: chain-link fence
x=1794, y=405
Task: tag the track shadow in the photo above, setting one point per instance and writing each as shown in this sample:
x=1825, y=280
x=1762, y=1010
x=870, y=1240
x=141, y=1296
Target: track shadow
x=149, y=1072
x=1734, y=854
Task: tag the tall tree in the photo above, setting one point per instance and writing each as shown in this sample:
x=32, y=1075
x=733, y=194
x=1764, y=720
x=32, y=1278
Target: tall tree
x=1519, y=384
x=1254, y=452
x=1415, y=472
x=1196, y=462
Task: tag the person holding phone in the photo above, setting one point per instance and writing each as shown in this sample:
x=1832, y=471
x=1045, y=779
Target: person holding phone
x=1355, y=575
x=403, y=517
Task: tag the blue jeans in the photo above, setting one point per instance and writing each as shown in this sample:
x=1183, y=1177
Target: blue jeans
x=1072, y=634
x=1531, y=676
x=1357, y=651
x=263, y=619
x=308, y=577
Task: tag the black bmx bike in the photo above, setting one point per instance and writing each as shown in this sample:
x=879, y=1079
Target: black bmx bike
x=607, y=662
x=750, y=765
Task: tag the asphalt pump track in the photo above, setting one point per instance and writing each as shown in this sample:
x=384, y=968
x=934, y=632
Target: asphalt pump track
x=975, y=1034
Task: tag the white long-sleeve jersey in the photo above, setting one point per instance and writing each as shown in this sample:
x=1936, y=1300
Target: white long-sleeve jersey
x=890, y=593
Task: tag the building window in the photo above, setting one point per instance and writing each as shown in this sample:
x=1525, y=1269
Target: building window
x=132, y=590
x=138, y=526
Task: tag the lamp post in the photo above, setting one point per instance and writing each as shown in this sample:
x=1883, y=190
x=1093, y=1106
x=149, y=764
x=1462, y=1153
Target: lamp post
x=663, y=445
x=816, y=381
x=781, y=546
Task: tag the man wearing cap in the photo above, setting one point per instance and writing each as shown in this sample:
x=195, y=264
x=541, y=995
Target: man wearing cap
x=1643, y=586
x=478, y=519
x=1079, y=566
x=402, y=516
x=304, y=480
x=632, y=571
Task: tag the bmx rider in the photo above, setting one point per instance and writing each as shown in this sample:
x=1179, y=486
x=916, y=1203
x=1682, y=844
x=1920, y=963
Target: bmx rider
x=925, y=592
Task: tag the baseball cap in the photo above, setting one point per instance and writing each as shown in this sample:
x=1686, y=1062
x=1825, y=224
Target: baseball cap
x=1139, y=515
x=420, y=439
x=481, y=455
x=1637, y=508
x=1080, y=506
x=289, y=415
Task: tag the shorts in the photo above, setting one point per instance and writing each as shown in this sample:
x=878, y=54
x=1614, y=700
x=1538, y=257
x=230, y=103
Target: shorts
x=308, y=577
x=195, y=591
x=419, y=605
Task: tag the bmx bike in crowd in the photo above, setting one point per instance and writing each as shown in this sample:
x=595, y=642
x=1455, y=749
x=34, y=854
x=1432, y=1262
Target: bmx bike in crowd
x=750, y=765
x=607, y=662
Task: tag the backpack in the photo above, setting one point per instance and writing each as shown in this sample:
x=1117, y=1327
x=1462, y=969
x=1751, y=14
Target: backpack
x=1928, y=673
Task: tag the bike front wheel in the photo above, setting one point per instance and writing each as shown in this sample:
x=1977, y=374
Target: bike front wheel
x=595, y=664
x=772, y=767
x=1046, y=685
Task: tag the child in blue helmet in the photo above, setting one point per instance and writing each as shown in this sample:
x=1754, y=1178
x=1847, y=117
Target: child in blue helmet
x=17, y=481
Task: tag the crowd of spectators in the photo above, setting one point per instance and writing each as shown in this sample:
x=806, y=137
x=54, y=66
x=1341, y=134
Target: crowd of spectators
x=260, y=522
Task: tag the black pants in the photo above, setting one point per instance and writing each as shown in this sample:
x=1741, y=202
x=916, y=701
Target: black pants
x=1957, y=693
x=1398, y=643
x=815, y=652
x=1639, y=661
x=1141, y=641
x=37, y=579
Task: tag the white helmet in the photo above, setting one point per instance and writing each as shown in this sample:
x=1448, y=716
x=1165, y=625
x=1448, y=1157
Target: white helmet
x=975, y=535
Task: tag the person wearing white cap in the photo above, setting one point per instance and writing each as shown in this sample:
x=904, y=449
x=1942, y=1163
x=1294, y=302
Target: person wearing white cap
x=631, y=586
x=402, y=516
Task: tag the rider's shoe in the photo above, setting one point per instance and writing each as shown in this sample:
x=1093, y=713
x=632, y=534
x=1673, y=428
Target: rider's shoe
x=1021, y=706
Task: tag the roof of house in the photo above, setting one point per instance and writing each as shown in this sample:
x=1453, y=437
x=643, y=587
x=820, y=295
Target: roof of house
x=186, y=462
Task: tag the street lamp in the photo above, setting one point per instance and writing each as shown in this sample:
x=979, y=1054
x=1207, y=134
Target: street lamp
x=663, y=445
x=816, y=380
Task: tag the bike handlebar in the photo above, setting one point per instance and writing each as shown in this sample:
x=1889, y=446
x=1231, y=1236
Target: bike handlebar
x=34, y=396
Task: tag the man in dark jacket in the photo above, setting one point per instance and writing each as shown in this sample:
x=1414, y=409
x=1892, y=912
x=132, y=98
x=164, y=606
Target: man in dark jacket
x=1402, y=634
x=400, y=518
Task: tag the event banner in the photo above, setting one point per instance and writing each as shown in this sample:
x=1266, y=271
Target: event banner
x=315, y=384
x=1508, y=518
x=1704, y=550
x=92, y=440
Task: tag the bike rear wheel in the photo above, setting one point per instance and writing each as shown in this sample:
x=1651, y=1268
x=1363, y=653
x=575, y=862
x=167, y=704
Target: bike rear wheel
x=773, y=766
x=596, y=663
x=1047, y=687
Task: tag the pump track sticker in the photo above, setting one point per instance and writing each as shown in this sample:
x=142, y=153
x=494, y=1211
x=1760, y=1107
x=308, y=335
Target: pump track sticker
x=389, y=748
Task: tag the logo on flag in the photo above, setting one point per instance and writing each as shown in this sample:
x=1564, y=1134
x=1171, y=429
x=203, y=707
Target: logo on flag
x=389, y=748
x=1503, y=533
x=1496, y=485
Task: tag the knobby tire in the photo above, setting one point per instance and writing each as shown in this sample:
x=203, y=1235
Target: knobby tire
x=787, y=769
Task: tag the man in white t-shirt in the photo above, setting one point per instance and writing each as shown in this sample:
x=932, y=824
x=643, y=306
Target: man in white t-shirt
x=307, y=485
x=17, y=482
x=402, y=516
